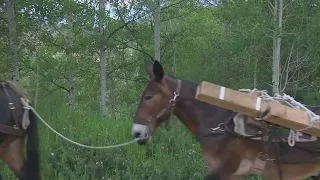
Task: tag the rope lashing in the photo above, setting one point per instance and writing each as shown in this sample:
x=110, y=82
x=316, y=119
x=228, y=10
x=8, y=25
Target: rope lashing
x=288, y=100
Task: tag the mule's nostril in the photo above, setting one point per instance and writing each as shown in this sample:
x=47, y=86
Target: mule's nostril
x=137, y=134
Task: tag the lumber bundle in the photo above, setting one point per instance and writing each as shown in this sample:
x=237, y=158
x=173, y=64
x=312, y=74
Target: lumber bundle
x=252, y=105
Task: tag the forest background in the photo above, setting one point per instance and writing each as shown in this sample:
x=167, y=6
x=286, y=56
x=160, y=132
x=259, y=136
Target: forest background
x=81, y=64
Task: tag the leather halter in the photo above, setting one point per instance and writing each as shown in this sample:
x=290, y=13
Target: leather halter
x=14, y=130
x=171, y=105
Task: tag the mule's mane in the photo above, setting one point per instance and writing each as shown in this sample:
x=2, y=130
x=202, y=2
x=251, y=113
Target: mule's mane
x=193, y=86
x=14, y=87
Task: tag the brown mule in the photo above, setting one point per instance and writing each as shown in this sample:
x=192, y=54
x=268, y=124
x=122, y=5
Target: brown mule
x=229, y=155
x=16, y=123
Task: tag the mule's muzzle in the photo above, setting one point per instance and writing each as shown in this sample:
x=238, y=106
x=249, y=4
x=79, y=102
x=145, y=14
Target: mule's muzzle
x=140, y=130
x=138, y=120
x=142, y=141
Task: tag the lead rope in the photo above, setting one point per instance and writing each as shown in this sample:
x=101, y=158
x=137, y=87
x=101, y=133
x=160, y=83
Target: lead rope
x=79, y=144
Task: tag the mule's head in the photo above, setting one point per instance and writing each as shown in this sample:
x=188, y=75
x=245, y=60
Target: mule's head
x=156, y=102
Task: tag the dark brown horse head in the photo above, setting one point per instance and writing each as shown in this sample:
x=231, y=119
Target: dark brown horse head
x=156, y=102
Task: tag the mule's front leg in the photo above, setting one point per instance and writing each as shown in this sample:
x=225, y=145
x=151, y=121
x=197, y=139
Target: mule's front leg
x=221, y=169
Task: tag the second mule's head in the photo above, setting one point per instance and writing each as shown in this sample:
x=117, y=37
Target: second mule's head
x=155, y=103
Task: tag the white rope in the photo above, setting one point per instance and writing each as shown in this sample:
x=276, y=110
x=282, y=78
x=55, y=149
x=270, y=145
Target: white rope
x=82, y=145
x=294, y=134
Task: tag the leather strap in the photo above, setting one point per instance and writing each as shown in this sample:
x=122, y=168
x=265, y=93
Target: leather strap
x=11, y=130
x=10, y=104
x=15, y=130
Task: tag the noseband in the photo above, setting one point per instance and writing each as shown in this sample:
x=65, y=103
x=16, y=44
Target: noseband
x=170, y=106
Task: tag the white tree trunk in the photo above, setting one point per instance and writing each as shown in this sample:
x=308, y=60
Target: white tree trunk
x=255, y=78
x=156, y=16
x=279, y=43
x=14, y=69
x=227, y=30
x=227, y=24
x=102, y=57
x=70, y=82
x=37, y=86
x=174, y=58
x=103, y=83
x=277, y=14
x=112, y=93
x=70, y=78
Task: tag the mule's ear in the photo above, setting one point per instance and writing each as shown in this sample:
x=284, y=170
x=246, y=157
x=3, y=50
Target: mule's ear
x=157, y=71
x=149, y=68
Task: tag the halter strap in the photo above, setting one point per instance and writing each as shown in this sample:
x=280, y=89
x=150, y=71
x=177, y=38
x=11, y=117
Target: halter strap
x=171, y=105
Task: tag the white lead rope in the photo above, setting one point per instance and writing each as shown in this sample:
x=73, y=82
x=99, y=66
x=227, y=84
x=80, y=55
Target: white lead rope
x=83, y=145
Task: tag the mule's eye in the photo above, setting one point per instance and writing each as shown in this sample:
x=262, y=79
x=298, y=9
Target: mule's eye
x=147, y=98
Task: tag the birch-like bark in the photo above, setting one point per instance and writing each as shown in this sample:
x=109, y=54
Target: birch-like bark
x=227, y=24
x=70, y=77
x=277, y=14
x=13, y=42
x=156, y=16
x=102, y=57
x=255, y=78
x=37, y=86
x=174, y=58
x=112, y=92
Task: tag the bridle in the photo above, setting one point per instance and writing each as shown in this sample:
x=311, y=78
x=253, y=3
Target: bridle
x=172, y=103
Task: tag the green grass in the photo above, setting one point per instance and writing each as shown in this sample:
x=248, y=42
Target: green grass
x=172, y=154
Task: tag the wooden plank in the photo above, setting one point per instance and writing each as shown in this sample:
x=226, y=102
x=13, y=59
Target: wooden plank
x=253, y=106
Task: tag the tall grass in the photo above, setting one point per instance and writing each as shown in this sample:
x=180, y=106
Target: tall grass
x=172, y=153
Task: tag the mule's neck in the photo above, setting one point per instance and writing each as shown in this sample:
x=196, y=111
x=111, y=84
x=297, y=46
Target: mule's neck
x=192, y=112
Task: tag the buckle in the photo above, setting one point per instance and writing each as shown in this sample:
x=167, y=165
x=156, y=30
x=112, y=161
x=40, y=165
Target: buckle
x=11, y=106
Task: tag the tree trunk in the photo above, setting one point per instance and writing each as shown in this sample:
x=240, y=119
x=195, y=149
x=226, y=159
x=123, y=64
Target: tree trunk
x=227, y=30
x=13, y=42
x=102, y=56
x=279, y=45
x=37, y=86
x=112, y=93
x=278, y=9
x=70, y=82
x=156, y=15
x=174, y=58
x=70, y=78
x=255, y=78
x=227, y=24
x=103, y=83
